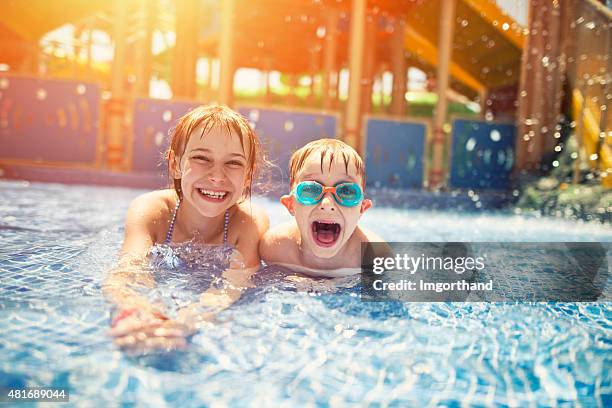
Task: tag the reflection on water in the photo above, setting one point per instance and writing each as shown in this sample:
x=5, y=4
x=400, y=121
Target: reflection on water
x=307, y=341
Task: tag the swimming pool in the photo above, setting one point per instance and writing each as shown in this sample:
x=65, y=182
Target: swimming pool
x=282, y=346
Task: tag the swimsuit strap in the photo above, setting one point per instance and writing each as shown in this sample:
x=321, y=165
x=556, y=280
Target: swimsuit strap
x=173, y=221
x=225, y=226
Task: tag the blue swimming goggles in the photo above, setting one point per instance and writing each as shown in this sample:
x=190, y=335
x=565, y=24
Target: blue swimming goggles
x=311, y=193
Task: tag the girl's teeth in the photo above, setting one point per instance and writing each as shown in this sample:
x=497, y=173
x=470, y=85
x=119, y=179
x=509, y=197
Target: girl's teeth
x=213, y=194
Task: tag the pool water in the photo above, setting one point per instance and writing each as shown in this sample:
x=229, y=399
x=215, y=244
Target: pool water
x=279, y=345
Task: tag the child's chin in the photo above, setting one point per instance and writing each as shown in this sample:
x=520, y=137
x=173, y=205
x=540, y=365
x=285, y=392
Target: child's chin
x=210, y=211
x=325, y=252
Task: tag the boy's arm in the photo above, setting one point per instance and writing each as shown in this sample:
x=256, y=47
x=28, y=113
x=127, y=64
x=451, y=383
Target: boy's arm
x=252, y=224
x=278, y=245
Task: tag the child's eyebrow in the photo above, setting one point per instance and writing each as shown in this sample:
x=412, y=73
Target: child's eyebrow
x=316, y=176
x=204, y=150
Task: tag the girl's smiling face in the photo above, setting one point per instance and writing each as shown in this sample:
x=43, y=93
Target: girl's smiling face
x=327, y=226
x=213, y=171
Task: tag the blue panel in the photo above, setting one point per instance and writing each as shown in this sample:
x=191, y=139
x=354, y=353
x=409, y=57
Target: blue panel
x=283, y=131
x=394, y=153
x=482, y=154
x=48, y=120
x=153, y=120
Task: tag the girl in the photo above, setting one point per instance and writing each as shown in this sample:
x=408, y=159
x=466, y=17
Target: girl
x=212, y=159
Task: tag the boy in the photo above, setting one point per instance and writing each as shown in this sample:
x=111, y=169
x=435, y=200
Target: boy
x=327, y=179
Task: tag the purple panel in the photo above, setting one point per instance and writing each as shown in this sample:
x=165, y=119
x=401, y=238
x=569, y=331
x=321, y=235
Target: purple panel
x=48, y=120
x=153, y=120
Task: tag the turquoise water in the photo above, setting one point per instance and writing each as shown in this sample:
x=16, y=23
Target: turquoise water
x=281, y=344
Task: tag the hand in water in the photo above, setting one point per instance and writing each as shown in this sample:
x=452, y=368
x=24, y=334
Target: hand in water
x=143, y=332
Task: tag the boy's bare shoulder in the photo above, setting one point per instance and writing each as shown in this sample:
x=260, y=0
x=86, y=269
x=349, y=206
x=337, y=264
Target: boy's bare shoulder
x=280, y=243
x=366, y=235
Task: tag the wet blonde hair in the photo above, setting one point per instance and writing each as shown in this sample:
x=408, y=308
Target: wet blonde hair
x=325, y=147
x=216, y=117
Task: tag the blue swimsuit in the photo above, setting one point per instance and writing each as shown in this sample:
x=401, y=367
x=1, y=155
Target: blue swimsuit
x=173, y=221
x=184, y=270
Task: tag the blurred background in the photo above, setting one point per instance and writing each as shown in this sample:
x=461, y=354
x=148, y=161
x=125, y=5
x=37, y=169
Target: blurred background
x=497, y=103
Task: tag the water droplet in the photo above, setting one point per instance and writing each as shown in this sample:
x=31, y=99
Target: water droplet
x=574, y=155
x=505, y=26
x=464, y=23
x=555, y=163
x=321, y=31
x=470, y=144
x=254, y=115
x=594, y=156
x=158, y=139
x=41, y=94
x=495, y=135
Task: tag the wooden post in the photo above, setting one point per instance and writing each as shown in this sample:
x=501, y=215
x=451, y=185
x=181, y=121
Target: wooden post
x=116, y=105
x=369, y=57
x=482, y=95
x=352, y=131
x=447, y=18
x=398, y=65
x=88, y=52
x=145, y=60
x=541, y=84
x=226, y=53
x=329, y=56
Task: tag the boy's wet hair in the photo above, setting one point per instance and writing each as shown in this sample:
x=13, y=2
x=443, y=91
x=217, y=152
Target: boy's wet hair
x=216, y=117
x=325, y=147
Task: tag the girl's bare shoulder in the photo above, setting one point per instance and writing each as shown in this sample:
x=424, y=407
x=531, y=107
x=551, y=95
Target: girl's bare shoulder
x=155, y=202
x=152, y=210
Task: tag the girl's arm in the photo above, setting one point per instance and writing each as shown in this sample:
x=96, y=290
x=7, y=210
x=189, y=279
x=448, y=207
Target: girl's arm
x=136, y=245
x=139, y=325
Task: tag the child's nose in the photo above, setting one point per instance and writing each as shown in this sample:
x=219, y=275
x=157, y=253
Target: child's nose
x=216, y=174
x=327, y=203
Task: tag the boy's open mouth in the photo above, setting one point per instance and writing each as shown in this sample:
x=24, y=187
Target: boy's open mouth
x=325, y=233
x=212, y=195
